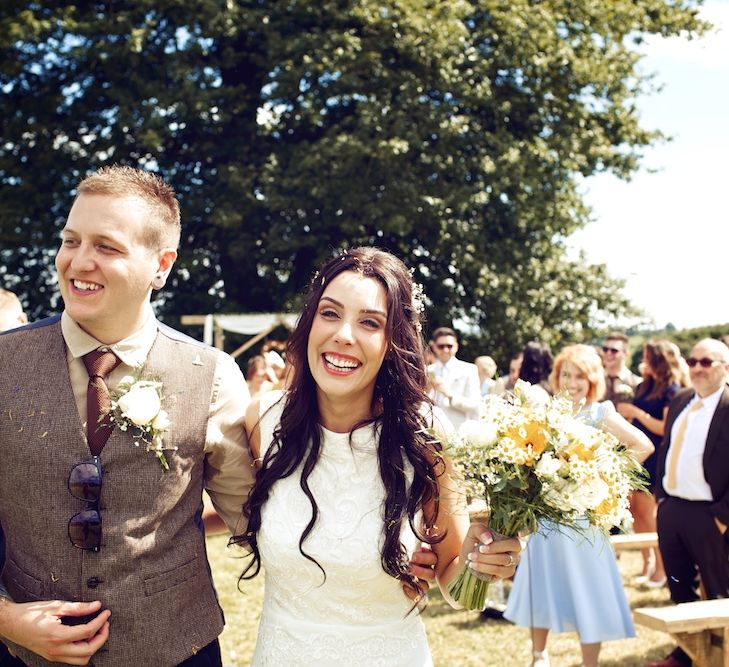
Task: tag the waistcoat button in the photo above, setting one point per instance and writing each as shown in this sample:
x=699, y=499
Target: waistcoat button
x=93, y=582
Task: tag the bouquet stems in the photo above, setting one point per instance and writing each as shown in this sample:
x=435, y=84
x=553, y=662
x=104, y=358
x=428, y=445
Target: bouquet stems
x=470, y=589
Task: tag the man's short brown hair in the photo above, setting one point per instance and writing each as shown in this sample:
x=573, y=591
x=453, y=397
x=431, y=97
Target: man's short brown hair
x=164, y=227
x=619, y=335
x=444, y=331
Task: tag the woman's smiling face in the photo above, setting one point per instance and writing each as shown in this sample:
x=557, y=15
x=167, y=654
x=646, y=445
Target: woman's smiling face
x=573, y=381
x=348, y=340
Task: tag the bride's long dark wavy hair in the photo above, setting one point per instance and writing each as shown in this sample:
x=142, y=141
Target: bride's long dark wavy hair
x=397, y=408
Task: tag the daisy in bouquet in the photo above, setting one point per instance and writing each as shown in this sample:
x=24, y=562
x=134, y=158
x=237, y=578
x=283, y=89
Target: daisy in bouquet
x=533, y=462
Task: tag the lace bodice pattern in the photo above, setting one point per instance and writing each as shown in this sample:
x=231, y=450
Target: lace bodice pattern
x=357, y=614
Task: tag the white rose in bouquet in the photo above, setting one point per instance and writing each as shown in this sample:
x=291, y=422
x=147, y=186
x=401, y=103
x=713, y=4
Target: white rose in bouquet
x=477, y=433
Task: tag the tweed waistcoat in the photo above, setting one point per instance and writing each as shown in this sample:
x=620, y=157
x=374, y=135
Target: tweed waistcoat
x=152, y=570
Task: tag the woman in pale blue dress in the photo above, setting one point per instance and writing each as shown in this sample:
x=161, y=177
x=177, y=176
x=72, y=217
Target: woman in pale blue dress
x=567, y=581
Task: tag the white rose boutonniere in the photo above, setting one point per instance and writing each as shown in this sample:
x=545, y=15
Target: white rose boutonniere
x=624, y=391
x=137, y=404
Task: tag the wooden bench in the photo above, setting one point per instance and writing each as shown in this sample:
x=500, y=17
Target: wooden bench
x=699, y=628
x=630, y=541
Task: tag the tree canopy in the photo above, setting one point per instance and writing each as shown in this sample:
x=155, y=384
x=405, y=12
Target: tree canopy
x=454, y=133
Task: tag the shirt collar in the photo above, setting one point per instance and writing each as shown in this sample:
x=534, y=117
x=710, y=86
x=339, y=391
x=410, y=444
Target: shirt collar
x=710, y=401
x=132, y=350
x=449, y=364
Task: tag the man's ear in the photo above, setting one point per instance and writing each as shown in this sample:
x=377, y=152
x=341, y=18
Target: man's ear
x=166, y=261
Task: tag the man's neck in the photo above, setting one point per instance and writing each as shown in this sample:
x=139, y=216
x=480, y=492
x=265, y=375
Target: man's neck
x=617, y=373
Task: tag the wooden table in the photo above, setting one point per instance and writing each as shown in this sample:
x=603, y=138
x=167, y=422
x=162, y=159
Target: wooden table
x=700, y=628
x=628, y=541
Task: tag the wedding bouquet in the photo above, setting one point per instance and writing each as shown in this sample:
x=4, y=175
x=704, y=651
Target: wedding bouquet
x=537, y=462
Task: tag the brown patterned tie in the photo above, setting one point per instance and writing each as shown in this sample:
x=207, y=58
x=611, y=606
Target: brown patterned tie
x=98, y=402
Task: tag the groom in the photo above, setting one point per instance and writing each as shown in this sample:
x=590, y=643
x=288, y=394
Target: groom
x=106, y=556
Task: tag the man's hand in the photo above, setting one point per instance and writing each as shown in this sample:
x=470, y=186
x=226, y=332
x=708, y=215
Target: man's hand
x=37, y=626
x=422, y=566
x=440, y=386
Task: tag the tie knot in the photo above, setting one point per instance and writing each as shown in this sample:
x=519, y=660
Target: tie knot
x=697, y=406
x=100, y=364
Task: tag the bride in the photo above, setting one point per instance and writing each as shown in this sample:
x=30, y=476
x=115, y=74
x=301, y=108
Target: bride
x=351, y=479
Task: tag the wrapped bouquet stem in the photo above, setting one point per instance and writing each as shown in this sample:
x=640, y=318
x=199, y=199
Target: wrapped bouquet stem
x=537, y=462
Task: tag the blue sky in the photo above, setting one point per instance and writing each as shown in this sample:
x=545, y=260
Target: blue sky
x=667, y=233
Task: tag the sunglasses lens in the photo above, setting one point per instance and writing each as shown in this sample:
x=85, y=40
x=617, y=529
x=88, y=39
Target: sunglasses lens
x=84, y=482
x=84, y=529
x=703, y=362
x=612, y=350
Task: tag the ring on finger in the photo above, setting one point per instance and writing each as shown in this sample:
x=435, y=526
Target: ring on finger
x=511, y=560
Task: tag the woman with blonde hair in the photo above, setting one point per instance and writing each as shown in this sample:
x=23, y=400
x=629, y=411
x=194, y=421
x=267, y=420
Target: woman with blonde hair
x=568, y=581
x=662, y=379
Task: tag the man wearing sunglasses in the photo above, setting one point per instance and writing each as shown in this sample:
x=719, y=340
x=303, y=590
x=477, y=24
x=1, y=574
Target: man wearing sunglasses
x=620, y=382
x=693, y=484
x=105, y=549
x=455, y=386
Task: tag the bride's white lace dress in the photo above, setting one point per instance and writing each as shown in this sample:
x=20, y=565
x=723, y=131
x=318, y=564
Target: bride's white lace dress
x=358, y=614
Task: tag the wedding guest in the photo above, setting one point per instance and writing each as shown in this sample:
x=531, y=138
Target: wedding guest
x=350, y=479
x=568, y=582
x=486, y=367
x=620, y=381
x=12, y=316
x=430, y=357
x=279, y=372
x=506, y=382
x=535, y=368
x=136, y=590
x=647, y=412
x=455, y=384
x=257, y=376
x=692, y=484
x=678, y=362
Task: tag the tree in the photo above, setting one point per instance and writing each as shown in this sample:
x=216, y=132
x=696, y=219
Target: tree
x=452, y=133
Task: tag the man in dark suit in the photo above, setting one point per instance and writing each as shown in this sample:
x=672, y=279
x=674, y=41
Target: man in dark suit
x=693, y=484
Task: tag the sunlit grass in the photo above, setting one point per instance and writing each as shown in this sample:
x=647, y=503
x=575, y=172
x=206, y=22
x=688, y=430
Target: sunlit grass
x=456, y=638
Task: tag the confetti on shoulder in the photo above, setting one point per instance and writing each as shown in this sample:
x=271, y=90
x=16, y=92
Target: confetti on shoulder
x=197, y=361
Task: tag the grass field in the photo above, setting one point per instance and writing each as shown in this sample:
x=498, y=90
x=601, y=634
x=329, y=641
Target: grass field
x=457, y=638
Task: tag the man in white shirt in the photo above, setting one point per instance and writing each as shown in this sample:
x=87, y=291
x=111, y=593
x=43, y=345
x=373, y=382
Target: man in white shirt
x=455, y=384
x=693, y=484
